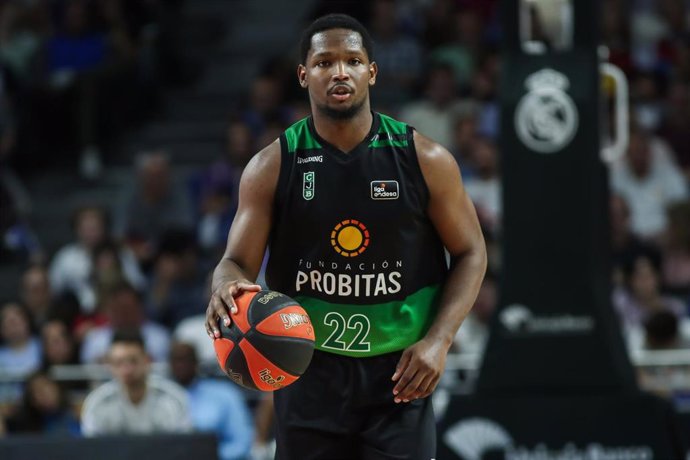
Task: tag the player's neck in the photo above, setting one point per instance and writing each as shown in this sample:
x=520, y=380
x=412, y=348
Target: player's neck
x=344, y=134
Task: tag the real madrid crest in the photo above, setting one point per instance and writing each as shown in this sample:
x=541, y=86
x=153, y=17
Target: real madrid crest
x=546, y=118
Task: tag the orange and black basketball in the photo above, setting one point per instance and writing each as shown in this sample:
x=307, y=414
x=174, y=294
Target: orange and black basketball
x=269, y=343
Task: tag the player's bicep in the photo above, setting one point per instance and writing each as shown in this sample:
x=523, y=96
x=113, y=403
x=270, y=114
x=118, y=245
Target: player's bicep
x=450, y=208
x=252, y=223
x=455, y=218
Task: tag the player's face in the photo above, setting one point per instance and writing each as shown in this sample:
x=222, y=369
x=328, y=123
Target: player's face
x=338, y=73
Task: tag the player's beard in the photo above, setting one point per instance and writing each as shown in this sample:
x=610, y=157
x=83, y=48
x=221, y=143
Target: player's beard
x=341, y=114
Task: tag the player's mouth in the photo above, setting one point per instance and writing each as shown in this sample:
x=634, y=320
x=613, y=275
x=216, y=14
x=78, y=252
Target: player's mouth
x=340, y=92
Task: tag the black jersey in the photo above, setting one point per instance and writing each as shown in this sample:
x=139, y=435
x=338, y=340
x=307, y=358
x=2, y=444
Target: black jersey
x=351, y=240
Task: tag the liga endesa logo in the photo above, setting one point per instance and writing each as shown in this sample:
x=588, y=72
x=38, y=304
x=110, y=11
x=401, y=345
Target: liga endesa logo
x=385, y=190
x=350, y=238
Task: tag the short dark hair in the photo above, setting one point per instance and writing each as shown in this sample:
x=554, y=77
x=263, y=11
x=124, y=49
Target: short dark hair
x=128, y=337
x=661, y=329
x=335, y=21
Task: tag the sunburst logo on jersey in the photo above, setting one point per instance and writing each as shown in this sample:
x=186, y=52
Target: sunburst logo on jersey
x=350, y=238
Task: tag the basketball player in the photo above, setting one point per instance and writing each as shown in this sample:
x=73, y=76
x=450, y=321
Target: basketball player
x=356, y=209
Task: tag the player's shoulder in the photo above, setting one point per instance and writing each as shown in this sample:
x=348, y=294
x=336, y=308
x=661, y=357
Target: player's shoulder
x=264, y=166
x=267, y=156
x=431, y=154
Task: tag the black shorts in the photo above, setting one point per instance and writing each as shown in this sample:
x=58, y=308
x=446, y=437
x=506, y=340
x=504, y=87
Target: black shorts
x=342, y=409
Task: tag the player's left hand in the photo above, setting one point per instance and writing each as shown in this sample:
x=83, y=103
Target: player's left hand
x=419, y=370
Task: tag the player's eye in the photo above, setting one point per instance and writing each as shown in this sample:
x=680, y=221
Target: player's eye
x=323, y=63
x=355, y=61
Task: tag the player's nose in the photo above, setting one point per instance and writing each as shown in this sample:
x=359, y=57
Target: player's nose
x=340, y=73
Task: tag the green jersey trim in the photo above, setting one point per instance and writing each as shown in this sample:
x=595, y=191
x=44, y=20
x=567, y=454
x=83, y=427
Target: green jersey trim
x=299, y=137
x=374, y=329
x=392, y=133
x=391, y=125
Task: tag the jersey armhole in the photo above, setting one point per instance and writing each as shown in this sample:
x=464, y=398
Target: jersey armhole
x=283, y=176
x=421, y=180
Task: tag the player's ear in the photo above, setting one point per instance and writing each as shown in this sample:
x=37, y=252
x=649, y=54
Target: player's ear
x=373, y=71
x=302, y=75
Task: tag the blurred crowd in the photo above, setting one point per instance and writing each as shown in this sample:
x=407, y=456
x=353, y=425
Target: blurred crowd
x=144, y=263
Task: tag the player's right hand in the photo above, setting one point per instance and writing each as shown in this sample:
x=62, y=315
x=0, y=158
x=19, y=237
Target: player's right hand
x=223, y=302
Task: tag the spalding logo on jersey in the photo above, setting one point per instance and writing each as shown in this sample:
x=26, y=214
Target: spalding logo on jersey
x=385, y=190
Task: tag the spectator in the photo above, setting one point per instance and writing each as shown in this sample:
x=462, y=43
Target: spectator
x=216, y=406
x=178, y=285
x=136, y=401
x=106, y=268
x=681, y=65
x=24, y=28
x=17, y=240
x=462, y=52
x=433, y=116
x=662, y=332
x=106, y=274
x=484, y=188
x=266, y=104
x=483, y=93
x=20, y=349
x=676, y=123
x=648, y=187
x=36, y=293
x=89, y=62
x=155, y=204
x=45, y=409
x=59, y=347
x=215, y=190
x=124, y=310
x=624, y=243
x=191, y=331
x=439, y=23
x=71, y=268
x=399, y=57
x=616, y=34
x=264, y=415
x=648, y=106
x=641, y=297
x=676, y=250
x=464, y=135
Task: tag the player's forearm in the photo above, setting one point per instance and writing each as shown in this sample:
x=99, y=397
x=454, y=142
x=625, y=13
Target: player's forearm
x=227, y=270
x=459, y=293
